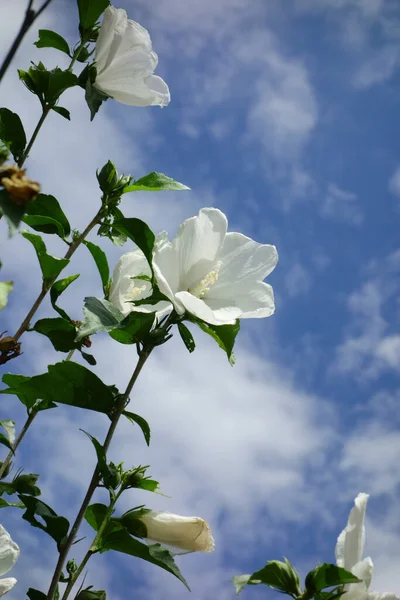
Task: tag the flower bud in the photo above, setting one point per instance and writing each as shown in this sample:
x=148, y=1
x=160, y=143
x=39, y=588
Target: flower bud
x=112, y=478
x=71, y=567
x=191, y=534
x=25, y=484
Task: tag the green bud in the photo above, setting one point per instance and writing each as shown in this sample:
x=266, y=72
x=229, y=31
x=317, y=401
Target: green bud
x=112, y=478
x=132, y=478
x=25, y=484
x=133, y=524
x=71, y=566
x=107, y=177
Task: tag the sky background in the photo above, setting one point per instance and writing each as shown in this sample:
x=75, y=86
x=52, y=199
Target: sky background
x=284, y=114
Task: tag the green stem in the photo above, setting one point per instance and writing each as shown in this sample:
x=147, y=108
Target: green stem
x=46, y=286
x=30, y=17
x=120, y=406
x=92, y=550
x=23, y=432
x=47, y=108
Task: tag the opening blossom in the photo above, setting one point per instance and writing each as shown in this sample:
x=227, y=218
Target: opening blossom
x=191, y=534
x=125, y=62
x=349, y=551
x=205, y=271
x=9, y=552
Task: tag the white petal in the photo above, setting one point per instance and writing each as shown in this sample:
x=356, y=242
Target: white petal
x=9, y=551
x=255, y=302
x=114, y=21
x=6, y=585
x=363, y=570
x=135, y=90
x=350, y=543
x=198, y=243
x=129, y=265
x=381, y=596
x=243, y=262
x=166, y=269
x=200, y=309
x=188, y=533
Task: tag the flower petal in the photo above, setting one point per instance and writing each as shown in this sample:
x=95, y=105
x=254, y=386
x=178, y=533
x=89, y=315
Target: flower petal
x=243, y=262
x=200, y=309
x=198, y=243
x=188, y=533
x=381, y=596
x=9, y=551
x=350, y=543
x=255, y=302
x=122, y=286
x=363, y=570
x=135, y=90
x=114, y=21
x=6, y=585
x=166, y=269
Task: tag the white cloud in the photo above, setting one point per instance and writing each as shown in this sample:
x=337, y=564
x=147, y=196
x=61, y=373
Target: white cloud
x=394, y=182
x=341, y=205
x=297, y=280
x=379, y=68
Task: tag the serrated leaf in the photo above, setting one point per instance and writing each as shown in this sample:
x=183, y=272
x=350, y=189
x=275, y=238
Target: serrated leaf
x=60, y=332
x=51, y=267
x=328, y=575
x=12, y=212
x=63, y=112
x=65, y=383
x=57, y=289
x=90, y=11
x=143, y=424
x=224, y=335
x=186, y=336
x=55, y=526
x=5, y=288
x=100, y=259
x=122, y=541
x=99, y=315
x=12, y=133
x=134, y=328
x=155, y=182
x=51, y=39
x=140, y=233
x=45, y=214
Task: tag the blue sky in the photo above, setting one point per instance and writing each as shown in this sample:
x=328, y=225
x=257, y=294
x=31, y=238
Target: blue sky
x=284, y=115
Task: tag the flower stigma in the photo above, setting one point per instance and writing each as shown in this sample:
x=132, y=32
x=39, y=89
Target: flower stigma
x=202, y=289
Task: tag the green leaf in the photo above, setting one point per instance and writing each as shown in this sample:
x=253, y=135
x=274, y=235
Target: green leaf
x=12, y=212
x=4, y=504
x=57, y=289
x=5, y=288
x=89, y=594
x=140, y=233
x=143, y=424
x=51, y=267
x=134, y=328
x=51, y=39
x=186, y=336
x=94, y=98
x=5, y=442
x=88, y=357
x=122, y=541
x=155, y=182
x=12, y=133
x=100, y=315
x=100, y=259
x=224, y=335
x=60, y=332
x=55, y=526
x=35, y=594
x=240, y=581
x=47, y=85
x=328, y=575
x=9, y=428
x=95, y=515
x=59, y=82
x=90, y=11
x=65, y=383
x=106, y=471
x=63, y=112
x=45, y=214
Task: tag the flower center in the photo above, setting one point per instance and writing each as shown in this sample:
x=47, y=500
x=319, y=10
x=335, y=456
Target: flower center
x=201, y=289
x=134, y=291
